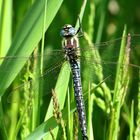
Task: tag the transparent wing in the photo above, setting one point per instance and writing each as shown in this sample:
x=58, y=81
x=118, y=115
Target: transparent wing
x=97, y=62
x=32, y=80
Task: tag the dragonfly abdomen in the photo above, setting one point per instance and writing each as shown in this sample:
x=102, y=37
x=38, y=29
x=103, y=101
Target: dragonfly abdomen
x=79, y=96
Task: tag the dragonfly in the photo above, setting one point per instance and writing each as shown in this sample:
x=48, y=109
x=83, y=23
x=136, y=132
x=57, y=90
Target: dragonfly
x=97, y=61
x=70, y=44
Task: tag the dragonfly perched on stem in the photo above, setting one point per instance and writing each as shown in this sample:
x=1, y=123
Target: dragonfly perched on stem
x=97, y=62
x=109, y=51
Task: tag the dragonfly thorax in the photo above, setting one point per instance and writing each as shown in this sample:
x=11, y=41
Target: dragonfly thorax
x=72, y=54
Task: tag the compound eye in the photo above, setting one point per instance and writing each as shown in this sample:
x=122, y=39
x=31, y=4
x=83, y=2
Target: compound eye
x=67, y=31
x=62, y=33
x=72, y=31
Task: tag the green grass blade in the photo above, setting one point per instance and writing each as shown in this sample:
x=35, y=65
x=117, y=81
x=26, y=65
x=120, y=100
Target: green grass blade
x=91, y=20
x=3, y=131
x=132, y=121
x=81, y=13
x=27, y=37
x=39, y=67
x=5, y=41
x=90, y=111
x=101, y=20
x=137, y=132
x=69, y=127
x=121, y=85
x=5, y=26
x=43, y=129
x=60, y=90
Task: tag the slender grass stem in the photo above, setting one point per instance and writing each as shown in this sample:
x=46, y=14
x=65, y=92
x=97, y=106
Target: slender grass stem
x=120, y=88
x=132, y=121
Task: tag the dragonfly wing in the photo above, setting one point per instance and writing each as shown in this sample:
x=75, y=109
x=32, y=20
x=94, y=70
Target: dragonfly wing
x=31, y=79
x=97, y=64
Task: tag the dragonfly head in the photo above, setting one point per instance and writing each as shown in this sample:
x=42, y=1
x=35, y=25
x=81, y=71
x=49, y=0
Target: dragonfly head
x=68, y=31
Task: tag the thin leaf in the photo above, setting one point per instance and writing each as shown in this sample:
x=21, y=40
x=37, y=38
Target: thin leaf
x=27, y=37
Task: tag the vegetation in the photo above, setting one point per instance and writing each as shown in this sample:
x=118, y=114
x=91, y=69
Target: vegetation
x=32, y=63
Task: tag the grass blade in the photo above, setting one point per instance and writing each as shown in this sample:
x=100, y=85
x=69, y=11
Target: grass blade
x=137, y=132
x=61, y=91
x=27, y=37
x=121, y=85
x=5, y=26
x=132, y=121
